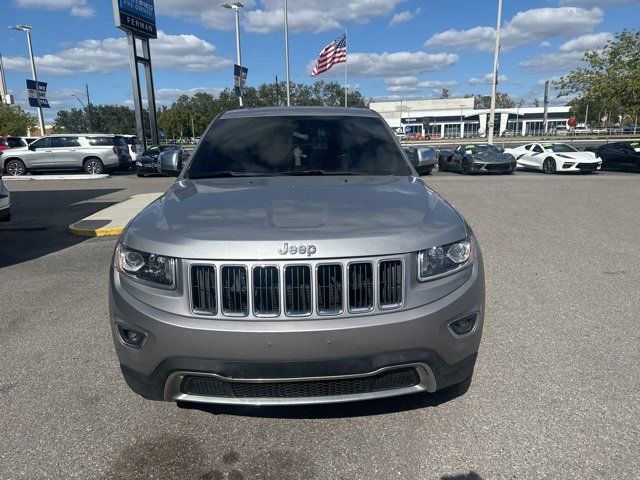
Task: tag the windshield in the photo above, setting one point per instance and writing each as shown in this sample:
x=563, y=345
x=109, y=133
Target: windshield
x=486, y=149
x=558, y=147
x=298, y=145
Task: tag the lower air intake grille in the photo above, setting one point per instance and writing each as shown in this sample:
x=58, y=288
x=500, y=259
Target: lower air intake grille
x=213, y=387
x=234, y=291
x=266, y=291
x=203, y=289
x=360, y=286
x=329, y=288
x=297, y=284
x=390, y=282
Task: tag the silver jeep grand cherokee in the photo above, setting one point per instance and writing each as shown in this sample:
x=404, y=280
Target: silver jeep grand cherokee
x=297, y=259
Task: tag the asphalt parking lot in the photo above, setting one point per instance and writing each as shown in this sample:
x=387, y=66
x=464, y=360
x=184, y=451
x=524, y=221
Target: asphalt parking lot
x=555, y=393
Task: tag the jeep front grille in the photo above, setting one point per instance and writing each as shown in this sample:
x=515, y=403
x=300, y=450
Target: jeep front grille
x=296, y=289
x=360, y=287
x=390, y=283
x=234, y=291
x=266, y=291
x=203, y=289
x=297, y=285
x=329, y=288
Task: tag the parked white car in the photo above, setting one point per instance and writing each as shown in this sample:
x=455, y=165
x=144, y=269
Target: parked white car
x=5, y=201
x=555, y=157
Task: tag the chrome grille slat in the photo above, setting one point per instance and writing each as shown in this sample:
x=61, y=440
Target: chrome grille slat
x=360, y=287
x=297, y=284
x=203, y=289
x=390, y=283
x=329, y=289
x=266, y=291
x=234, y=290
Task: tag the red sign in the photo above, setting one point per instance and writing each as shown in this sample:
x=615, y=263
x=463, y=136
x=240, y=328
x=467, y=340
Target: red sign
x=572, y=122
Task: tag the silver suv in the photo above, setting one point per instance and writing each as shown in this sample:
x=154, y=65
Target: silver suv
x=298, y=258
x=92, y=153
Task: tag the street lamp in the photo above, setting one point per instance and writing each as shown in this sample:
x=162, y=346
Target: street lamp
x=27, y=28
x=286, y=50
x=461, y=121
x=236, y=6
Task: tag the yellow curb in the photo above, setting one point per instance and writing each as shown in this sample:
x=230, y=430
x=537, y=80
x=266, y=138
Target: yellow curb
x=99, y=232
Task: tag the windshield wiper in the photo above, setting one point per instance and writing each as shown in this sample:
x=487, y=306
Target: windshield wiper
x=228, y=174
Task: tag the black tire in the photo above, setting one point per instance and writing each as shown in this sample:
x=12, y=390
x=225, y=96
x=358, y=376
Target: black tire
x=442, y=165
x=15, y=167
x=549, y=166
x=93, y=166
x=427, y=171
x=140, y=174
x=466, y=167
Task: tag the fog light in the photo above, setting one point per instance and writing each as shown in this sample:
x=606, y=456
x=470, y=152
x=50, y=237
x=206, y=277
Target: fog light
x=464, y=325
x=131, y=338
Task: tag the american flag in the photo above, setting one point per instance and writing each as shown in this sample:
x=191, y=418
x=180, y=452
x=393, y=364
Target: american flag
x=332, y=54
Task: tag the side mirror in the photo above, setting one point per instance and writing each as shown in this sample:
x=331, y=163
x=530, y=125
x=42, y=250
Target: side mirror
x=32, y=148
x=170, y=163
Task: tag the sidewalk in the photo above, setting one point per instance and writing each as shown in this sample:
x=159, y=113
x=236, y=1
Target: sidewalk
x=113, y=219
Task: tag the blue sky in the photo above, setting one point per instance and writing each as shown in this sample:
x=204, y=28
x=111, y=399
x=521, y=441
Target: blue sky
x=397, y=48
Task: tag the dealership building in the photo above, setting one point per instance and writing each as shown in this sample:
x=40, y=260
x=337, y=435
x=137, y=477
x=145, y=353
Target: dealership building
x=456, y=117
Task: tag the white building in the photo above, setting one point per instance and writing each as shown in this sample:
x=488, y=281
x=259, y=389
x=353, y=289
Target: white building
x=456, y=117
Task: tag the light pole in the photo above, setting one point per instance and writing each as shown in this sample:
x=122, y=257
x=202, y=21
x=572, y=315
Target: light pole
x=236, y=6
x=27, y=28
x=461, y=121
x=286, y=50
x=494, y=83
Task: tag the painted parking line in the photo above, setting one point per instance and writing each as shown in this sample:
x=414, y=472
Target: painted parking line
x=56, y=177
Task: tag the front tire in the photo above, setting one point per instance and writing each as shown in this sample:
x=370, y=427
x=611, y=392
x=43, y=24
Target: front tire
x=94, y=166
x=549, y=166
x=466, y=167
x=442, y=165
x=15, y=168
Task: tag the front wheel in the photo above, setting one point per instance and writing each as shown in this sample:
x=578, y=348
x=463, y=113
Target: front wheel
x=94, y=166
x=15, y=168
x=442, y=165
x=549, y=166
x=466, y=167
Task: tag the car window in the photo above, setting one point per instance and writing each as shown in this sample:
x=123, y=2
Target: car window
x=13, y=142
x=120, y=142
x=131, y=140
x=65, y=142
x=168, y=148
x=152, y=151
x=100, y=141
x=559, y=148
x=42, y=143
x=537, y=149
x=290, y=144
x=528, y=147
x=485, y=148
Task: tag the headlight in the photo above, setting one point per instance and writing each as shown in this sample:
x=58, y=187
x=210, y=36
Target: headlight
x=146, y=267
x=437, y=262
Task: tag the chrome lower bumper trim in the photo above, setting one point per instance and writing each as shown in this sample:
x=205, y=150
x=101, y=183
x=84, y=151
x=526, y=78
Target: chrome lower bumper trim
x=172, y=388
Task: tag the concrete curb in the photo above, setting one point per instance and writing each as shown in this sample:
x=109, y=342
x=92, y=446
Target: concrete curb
x=56, y=177
x=113, y=219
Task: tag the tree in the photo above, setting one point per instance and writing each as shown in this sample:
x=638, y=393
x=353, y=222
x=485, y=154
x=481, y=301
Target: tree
x=445, y=93
x=104, y=119
x=14, y=120
x=609, y=81
x=503, y=100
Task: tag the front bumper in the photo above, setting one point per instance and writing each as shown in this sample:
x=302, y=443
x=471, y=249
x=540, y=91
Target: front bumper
x=297, y=350
x=491, y=167
x=574, y=166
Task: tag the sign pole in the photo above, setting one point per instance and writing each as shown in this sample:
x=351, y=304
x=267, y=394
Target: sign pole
x=35, y=78
x=151, y=96
x=137, y=96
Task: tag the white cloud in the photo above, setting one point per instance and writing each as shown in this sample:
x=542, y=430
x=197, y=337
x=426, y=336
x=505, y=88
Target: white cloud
x=488, y=78
x=525, y=27
x=410, y=84
x=405, y=16
x=175, y=52
x=396, y=63
x=595, y=3
x=544, y=44
x=209, y=13
x=569, y=54
x=78, y=8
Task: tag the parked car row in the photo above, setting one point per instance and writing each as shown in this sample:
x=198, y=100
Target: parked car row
x=93, y=153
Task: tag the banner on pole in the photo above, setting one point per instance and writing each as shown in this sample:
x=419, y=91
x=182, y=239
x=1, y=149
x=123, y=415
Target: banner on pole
x=33, y=92
x=136, y=16
x=239, y=79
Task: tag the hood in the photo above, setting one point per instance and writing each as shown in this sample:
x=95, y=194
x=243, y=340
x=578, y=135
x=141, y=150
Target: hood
x=146, y=159
x=578, y=156
x=500, y=157
x=252, y=219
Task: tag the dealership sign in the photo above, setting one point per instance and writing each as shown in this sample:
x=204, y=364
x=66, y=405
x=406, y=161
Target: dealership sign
x=33, y=92
x=136, y=16
x=239, y=79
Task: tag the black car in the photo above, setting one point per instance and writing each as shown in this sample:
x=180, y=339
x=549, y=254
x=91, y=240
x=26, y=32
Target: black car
x=476, y=158
x=424, y=159
x=619, y=155
x=147, y=163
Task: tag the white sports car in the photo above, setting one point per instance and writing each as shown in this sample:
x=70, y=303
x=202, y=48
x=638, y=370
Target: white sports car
x=555, y=157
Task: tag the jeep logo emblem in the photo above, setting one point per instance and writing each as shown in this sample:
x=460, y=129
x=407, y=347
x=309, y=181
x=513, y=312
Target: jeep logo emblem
x=307, y=250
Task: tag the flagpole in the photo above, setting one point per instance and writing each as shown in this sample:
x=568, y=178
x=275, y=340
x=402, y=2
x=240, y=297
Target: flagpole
x=286, y=50
x=346, y=87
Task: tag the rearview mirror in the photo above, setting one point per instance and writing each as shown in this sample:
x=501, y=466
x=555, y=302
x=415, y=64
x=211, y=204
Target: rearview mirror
x=170, y=163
